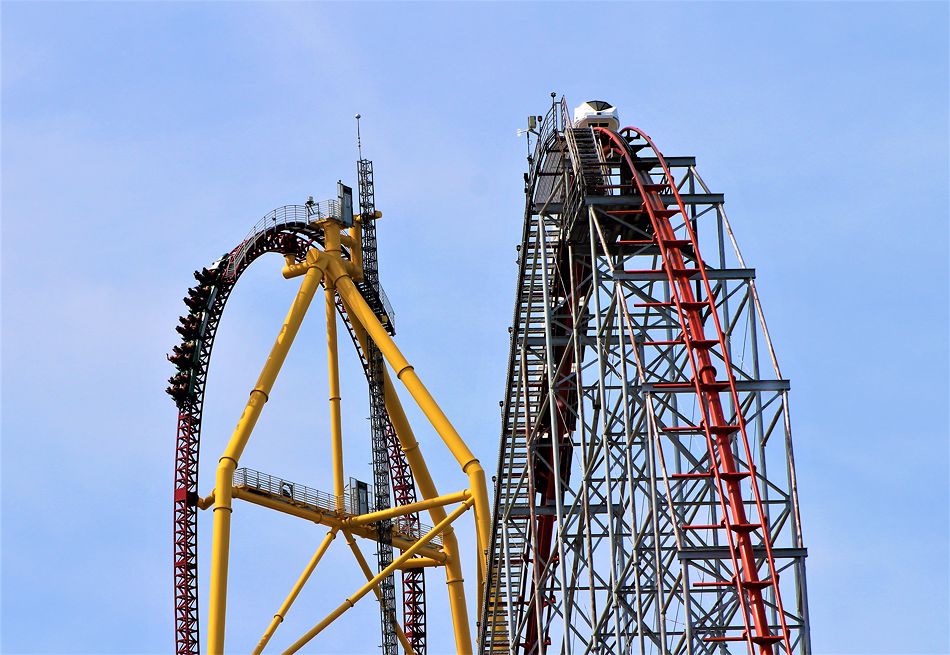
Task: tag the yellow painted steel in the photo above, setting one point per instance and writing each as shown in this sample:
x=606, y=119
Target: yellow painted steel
x=228, y=462
x=330, y=520
x=365, y=589
x=368, y=572
x=295, y=591
x=411, y=508
x=420, y=472
x=337, y=274
x=407, y=375
x=336, y=422
x=419, y=563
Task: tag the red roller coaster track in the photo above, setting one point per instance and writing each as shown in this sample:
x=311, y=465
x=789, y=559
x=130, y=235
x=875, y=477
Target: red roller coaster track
x=726, y=471
x=287, y=230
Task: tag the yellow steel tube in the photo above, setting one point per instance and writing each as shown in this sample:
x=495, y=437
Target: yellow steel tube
x=365, y=589
x=420, y=563
x=420, y=471
x=228, y=462
x=292, y=270
x=336, y=422
x=405, y=373
x=354, y=241
x=454, y=581
x=330, y=520
x=410, y=508
x=368, y=572
x=294, y=592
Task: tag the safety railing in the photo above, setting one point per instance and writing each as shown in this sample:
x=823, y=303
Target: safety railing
x=387, y=307
x=307, y=213
x=300, y=494
x=565, y=121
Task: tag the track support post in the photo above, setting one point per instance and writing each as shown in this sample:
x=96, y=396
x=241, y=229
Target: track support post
x=229, y=460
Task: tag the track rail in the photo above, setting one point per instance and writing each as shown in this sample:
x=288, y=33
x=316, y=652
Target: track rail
x=727, y=472
x=286, y=230
x=633, y=510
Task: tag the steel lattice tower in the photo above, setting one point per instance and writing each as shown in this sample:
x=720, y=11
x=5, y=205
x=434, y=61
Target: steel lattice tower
x=645, y=500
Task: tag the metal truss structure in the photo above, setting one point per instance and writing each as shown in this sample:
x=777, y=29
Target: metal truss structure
x=645, y=500
x=324, y=244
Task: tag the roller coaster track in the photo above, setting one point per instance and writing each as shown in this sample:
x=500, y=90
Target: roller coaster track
x=288, y=230
x=645, y=498
x=633, y=510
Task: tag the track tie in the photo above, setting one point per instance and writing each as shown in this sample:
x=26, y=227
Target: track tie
x=701, y=526
x=689, y=476
x=722, y=639
x=733, y=476
x=636, y=242
x=663, y=343
x=684, y=428
x=685, y=272
x=723, y=429
x=715, y=583
x=688, y=305
x=756, y=584
x=703, y=344
x=693, y=305
x=744, y=528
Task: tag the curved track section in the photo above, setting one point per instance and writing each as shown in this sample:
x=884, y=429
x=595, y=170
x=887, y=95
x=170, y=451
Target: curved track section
x=645, y=500
x=287, y=230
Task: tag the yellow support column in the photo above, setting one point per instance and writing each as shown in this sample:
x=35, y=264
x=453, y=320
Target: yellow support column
x=450, y=546
x=228, y=462
x=405, y=373
x=336, y=423
x=420, y=472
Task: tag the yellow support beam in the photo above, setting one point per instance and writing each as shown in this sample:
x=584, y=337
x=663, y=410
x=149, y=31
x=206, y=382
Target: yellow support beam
x=368, y=572
x=330, y=520
x=420, y=472
x=420, y=563
x=411, y=508
x=337, y=275
x=228, y=463
x=369, y=586
x=407, y=375
x=336, y=421
x=294, y=592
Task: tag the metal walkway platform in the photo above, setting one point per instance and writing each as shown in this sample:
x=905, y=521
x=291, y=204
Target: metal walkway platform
x=320, y=506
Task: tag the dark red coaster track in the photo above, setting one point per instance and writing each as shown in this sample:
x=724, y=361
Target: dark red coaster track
x=288, y=232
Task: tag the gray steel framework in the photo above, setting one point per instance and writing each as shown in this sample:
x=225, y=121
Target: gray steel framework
x=608, y=529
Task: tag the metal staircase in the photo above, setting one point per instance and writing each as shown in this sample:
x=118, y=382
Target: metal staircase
x=523, y=397
x=632, y=510
x=585, y=158
x=377, y=413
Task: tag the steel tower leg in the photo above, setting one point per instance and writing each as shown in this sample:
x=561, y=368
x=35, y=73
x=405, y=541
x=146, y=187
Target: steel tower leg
x=228, y=462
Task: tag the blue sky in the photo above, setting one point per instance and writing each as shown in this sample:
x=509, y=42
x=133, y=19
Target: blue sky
x=140, y=141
